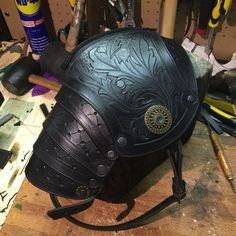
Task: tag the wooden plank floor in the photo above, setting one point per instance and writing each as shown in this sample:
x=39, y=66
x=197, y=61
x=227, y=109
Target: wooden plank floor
x=208, y=209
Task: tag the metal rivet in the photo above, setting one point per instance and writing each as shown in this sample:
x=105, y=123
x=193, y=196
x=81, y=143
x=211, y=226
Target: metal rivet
x=93, y=183
x=122, y=141
x=82, y=192
x=158, y=119
x=101, y=169
x=120, y=84
x=191, y=98
x=111, y=155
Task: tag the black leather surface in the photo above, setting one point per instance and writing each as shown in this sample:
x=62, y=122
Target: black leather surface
x=124, y=73
x=65, y=157
x=53, y=58
x=110, y=83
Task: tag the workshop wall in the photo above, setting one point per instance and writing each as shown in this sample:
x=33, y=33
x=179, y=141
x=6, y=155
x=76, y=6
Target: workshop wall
x=223, y=44
x=60, y=13
x=12, y=18
x=224, y=41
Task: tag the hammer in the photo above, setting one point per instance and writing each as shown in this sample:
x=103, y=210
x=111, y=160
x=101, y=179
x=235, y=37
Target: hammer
x=24, y=74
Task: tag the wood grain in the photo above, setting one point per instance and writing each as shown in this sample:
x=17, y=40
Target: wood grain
x=208, y=209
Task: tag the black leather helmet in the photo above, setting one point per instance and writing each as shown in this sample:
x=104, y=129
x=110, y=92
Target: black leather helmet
x=126, y=93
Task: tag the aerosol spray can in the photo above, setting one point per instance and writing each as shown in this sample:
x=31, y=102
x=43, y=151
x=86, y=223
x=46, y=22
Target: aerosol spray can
x=33, y=22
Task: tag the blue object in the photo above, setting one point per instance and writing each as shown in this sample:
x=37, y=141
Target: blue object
x=33, y=22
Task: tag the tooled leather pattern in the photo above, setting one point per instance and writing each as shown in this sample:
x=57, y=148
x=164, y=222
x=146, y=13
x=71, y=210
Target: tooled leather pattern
x=128, y=72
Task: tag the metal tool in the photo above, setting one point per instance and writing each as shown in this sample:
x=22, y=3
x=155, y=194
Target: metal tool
x=130, y=14
x=25, y=48
x=221, y=8
x=221, y=157
x=5, y=119
x=118, y=9
x=209, y=42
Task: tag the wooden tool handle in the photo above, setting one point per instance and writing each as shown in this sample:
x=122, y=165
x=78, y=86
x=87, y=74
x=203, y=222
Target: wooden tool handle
x=75, y=25
x=221, y=156
x=168, y=20
x=39, y=80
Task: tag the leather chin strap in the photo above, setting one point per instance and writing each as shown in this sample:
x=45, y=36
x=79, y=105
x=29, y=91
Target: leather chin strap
x=179, y=192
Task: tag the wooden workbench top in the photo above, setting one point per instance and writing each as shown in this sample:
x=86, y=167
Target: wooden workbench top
x=208, y=209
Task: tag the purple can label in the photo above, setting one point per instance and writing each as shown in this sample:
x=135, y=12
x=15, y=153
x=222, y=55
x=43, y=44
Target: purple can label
x=33, y=22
